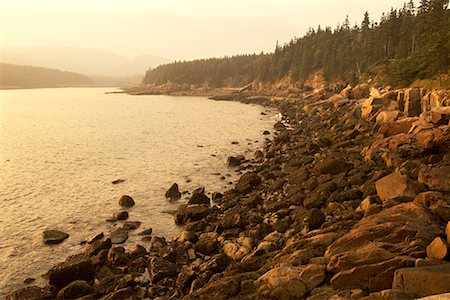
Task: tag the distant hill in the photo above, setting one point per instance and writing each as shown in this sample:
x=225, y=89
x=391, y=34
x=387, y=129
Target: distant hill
x=16, y=76
x=89, y=61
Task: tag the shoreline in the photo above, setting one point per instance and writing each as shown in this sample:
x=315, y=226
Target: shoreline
x=314, y=216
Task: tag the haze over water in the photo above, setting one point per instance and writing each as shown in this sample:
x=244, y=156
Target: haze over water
x=60, y=149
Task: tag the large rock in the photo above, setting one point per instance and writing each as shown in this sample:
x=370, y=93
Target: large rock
x=126, y=201
x=54, y=236
x=186, y=213
x=424, y=281
x=360, y=91
x=119, y=236
x=75, y=289
x=248, y=182
x=199, y=198
x=412, y=106
x=288, y=282
x=395, y=186
x=234, y=161
x=367, y=256
x=237, y=249
x=31, y=293
x=400, y=126
x=75, y=267
x=160, y=268
x=173, y=193
x=371, y=106
x=332, y=166
x=436, y=178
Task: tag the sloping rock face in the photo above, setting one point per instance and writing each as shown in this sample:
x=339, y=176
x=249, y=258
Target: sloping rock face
x=424, y=281
x=368, y=255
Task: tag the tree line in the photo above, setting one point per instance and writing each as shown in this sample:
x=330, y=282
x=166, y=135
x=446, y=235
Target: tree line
x=406, y=44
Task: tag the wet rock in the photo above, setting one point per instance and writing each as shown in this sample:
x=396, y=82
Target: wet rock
x=121, y=215
x=117, y=257
x=131, y=225
x=207, y=243
x=76, y=289
x=117, y=181
x=147, y=231
x=423, y=281
x=97, y=246
x=75, y=267
x=119, y=236
x=160, y=268
x=126, y=201
x=190, y=213
x=279, y=126
x=234, y=161
x=395, y=186
x=54, y=236
x=289, y=282
x=248, y=182
x=199, y=198
x=173, y=193
x=216, y=196
x=31, y=293
x=438, y=249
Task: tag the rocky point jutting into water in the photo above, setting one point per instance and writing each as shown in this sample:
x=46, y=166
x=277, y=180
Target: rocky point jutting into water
x=350, y=200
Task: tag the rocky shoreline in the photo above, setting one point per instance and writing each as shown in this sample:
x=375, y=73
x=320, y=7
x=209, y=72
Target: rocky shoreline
x=349, y=200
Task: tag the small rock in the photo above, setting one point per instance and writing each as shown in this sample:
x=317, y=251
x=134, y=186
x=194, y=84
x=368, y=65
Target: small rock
x=234, y=161
x=131, y=225
x=216, y=196
x=54, y=236
x=199, y=198
x=119, y=236
x=266, y=132
x=173, y=193
x=126, y=201
x=315, y=218
x=147, y=231
x=29, y=280
x=121, y=215
x=438, y=249
x=117, y=181
x=248, y=182
x=160, y=268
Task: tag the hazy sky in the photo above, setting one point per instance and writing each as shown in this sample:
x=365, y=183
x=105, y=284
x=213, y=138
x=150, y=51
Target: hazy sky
x=176, y=29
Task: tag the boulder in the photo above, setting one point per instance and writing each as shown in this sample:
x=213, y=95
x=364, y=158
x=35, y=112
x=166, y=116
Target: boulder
x=199, y=198
x=367, y=256
x=173, y=193
x=75, y=267
x=54, y=236
x=248, y=182
x=332, y=166
x=237, y=249
x=234, y=161
x=31, y=293
x=436, y=178
x=75, y=289
x=438, y=249
x=412, y=106
x=121, y=215
x=126, y=201
x=424, y=281
x=160, y=268
x=371, y=106
x=387, y=116
x=395, y=186
x=315, y=218
x=119, y=236
x=186, y=213
x=207, y=243
x=288, y=282
x=400, y=126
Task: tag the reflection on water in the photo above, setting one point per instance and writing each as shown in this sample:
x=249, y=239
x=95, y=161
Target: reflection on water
x=60, y=149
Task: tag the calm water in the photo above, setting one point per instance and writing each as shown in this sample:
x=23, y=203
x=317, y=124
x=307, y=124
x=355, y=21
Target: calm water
x=61, y=148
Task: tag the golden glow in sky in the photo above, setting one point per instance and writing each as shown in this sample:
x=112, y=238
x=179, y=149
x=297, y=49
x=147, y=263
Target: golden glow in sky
x=177, y=29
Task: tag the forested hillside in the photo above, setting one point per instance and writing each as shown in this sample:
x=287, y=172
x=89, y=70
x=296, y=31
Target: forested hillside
x=405, y=45
x=17, y=76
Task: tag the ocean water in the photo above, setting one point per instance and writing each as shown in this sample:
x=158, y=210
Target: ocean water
x=60, y=150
